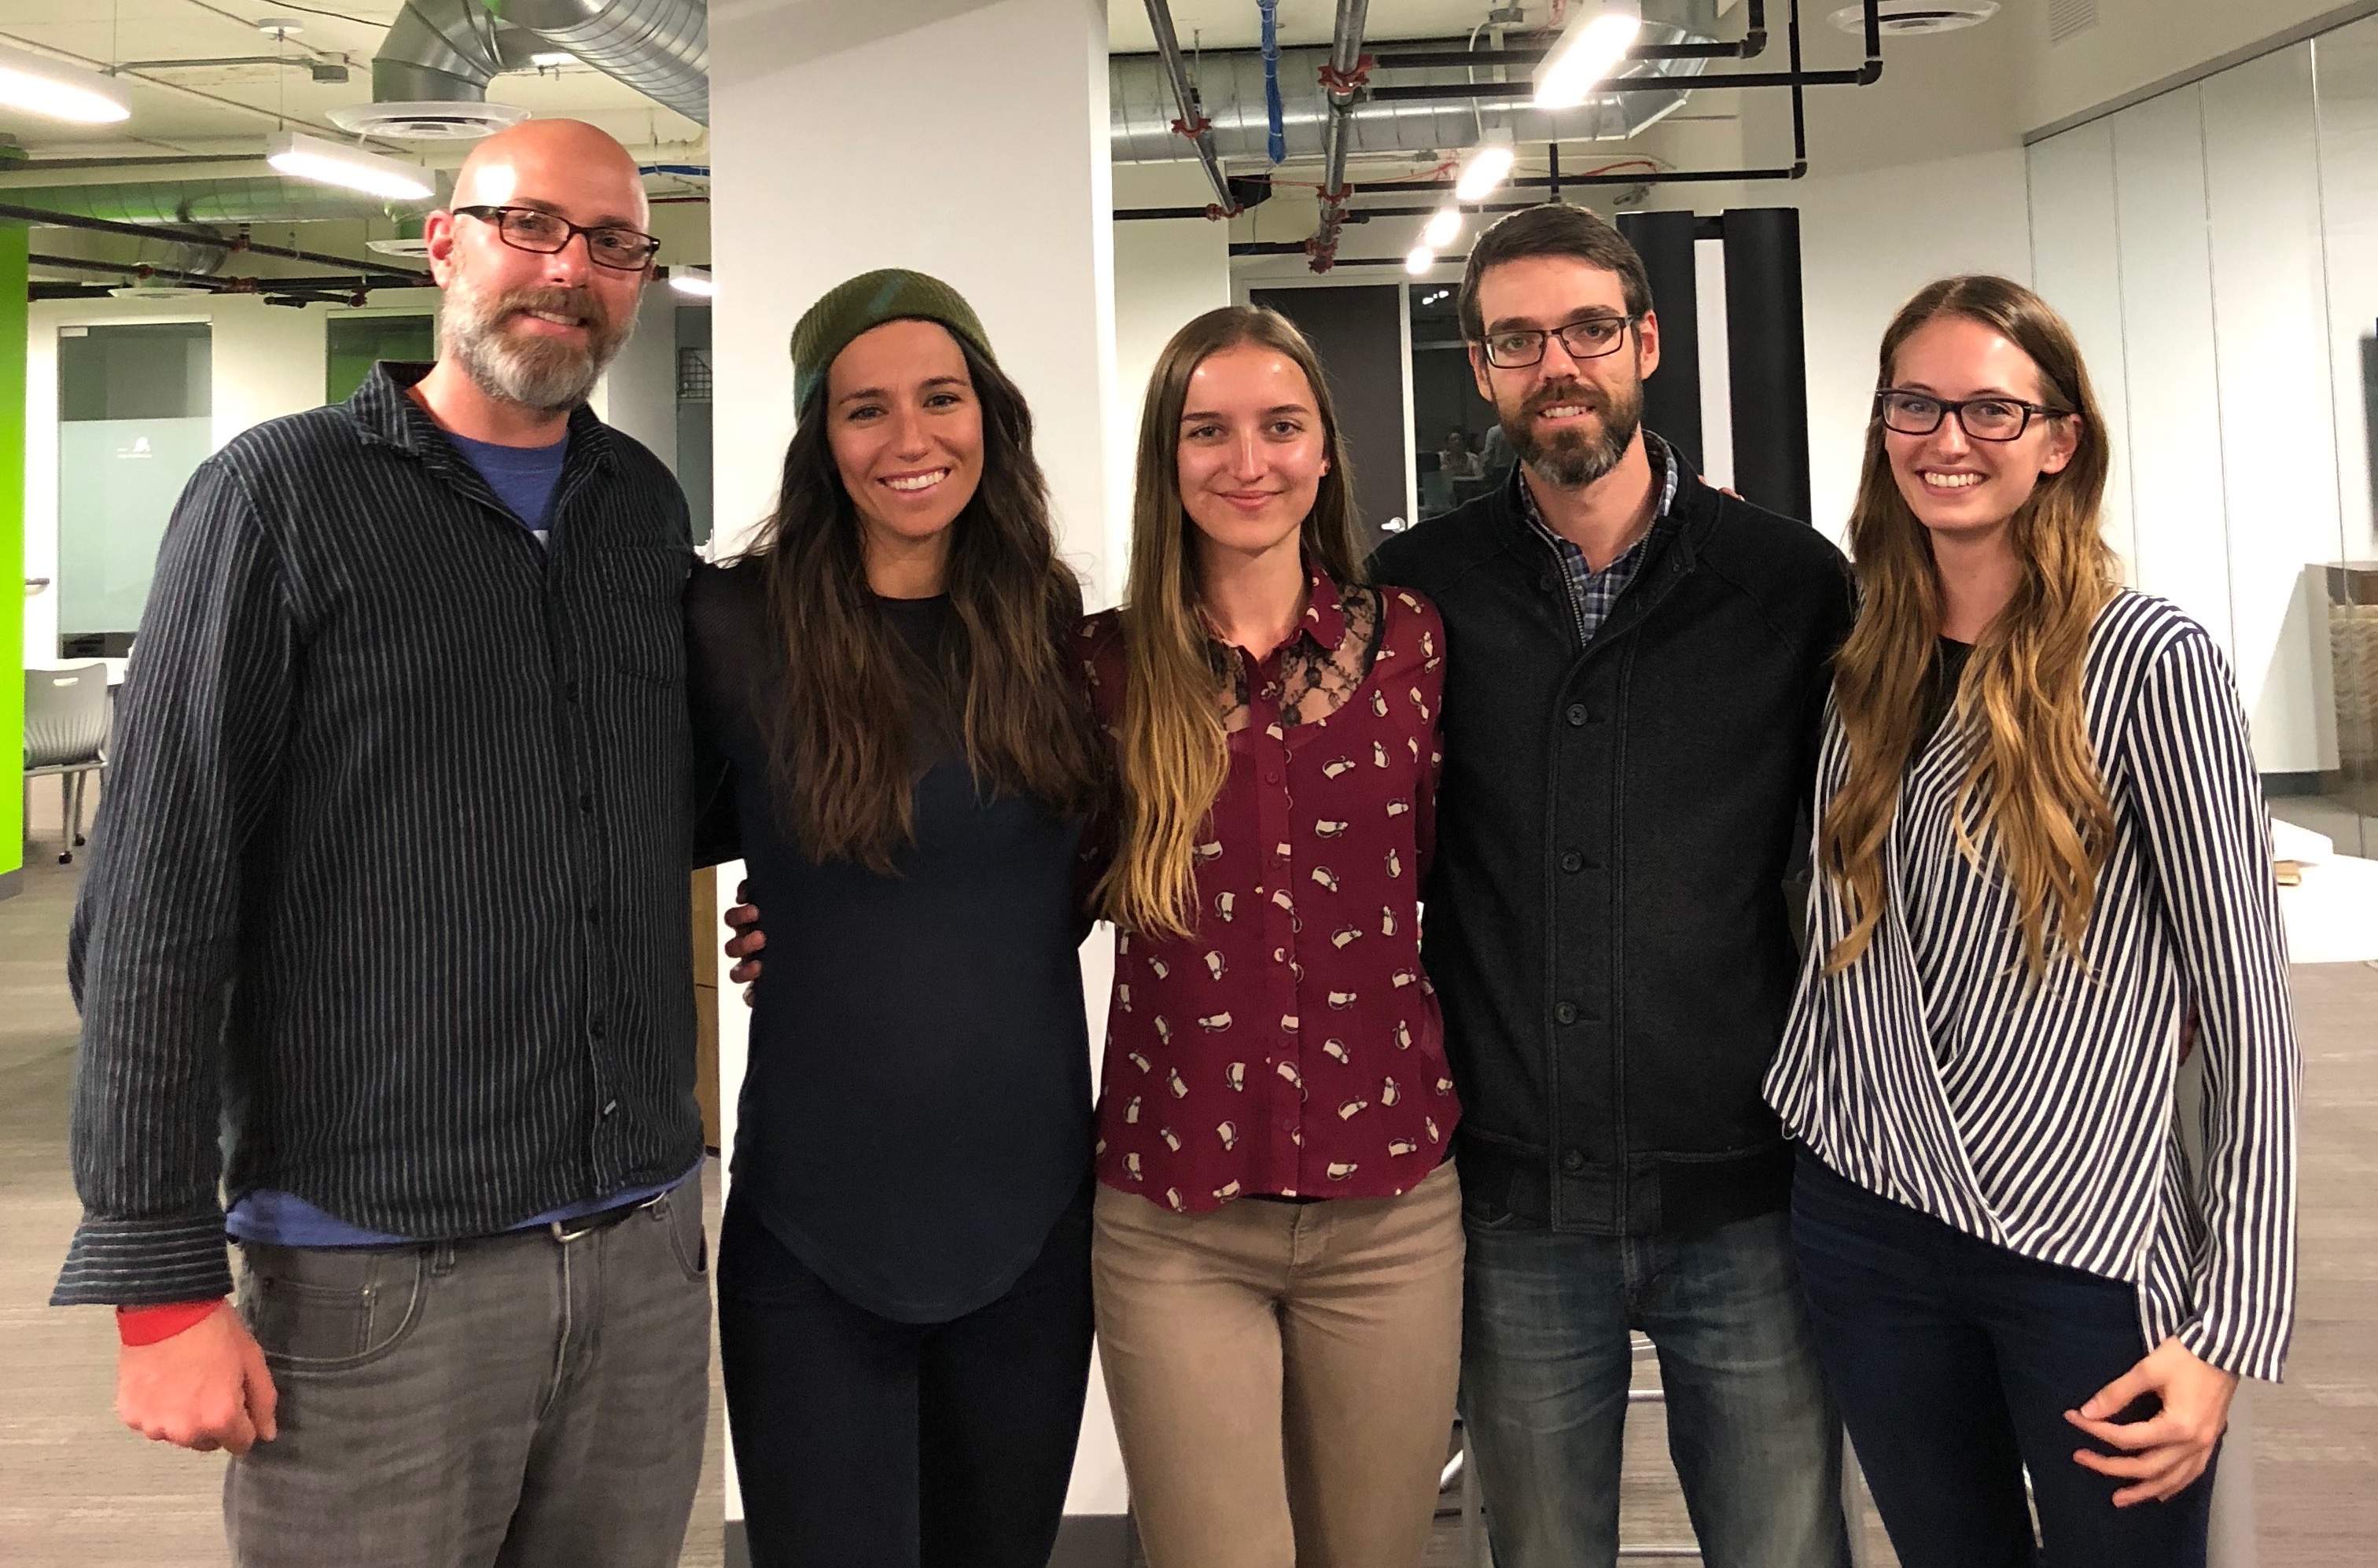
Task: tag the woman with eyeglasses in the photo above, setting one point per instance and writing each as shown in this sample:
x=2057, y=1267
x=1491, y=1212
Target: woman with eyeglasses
x=2043, y=877
x=890, y=676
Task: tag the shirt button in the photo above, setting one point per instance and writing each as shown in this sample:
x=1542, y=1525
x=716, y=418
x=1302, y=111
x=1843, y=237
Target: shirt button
x=1564, y=1013
x=595, y=1028
x=1271, y=775
x=1573, y=1161
x=1572, y=861
x=1577, y=712
x=569, y=692
x=586, y=803
x=593, y=915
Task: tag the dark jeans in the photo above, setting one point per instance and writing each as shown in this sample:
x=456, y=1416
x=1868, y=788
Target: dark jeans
x=859, y=1439
x=1954, y=1362
x=521, y=1401
x=1545, y=1363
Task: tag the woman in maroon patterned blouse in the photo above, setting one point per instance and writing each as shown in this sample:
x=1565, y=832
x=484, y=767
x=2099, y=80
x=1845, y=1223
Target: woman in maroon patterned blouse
x=1278, y=1249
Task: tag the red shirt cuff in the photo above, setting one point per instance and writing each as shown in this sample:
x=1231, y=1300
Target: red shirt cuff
x=149, y=1325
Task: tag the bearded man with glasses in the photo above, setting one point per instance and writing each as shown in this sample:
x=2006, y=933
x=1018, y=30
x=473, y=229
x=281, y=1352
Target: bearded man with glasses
x=382, y=953
x=1637, y=667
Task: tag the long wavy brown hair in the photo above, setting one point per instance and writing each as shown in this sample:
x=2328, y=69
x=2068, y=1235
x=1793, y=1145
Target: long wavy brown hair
x=2043, y=813
x=1172, y=754
x=839, y=733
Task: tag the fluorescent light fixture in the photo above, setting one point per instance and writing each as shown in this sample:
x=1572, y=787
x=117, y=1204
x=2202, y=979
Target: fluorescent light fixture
x=1489, y=165
x=305, y=157
x=57, y=91
x=552, y=59
x=1590, y=48
x=1444, y=227
x=693, y=281
x=1421, y=259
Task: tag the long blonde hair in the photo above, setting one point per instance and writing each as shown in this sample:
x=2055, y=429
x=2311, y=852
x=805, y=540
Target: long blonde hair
x=2043, y=806
x=1172, y=755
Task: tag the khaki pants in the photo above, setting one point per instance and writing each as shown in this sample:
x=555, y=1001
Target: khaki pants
x=1282, y=1374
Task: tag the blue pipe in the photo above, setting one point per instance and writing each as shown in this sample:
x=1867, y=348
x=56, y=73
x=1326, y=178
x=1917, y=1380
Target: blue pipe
x=1278, y=147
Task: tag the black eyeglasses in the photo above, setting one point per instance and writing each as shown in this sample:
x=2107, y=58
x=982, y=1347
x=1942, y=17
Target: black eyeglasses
x=1594, y=337
x=608, y=244
x=1984, y=419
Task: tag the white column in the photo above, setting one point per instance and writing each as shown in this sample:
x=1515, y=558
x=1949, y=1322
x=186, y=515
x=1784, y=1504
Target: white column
x=965, y=138
x=638, y=394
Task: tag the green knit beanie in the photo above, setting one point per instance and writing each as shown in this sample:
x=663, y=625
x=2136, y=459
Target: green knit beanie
x=867, y=302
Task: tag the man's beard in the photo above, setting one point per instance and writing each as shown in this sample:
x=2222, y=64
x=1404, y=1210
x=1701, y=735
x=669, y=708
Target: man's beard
x=548, y=374
x=1571, y=459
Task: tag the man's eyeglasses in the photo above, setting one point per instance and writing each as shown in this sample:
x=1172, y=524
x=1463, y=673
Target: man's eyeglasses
x=1984, y=419
x=1515, y=348
x=608, y=244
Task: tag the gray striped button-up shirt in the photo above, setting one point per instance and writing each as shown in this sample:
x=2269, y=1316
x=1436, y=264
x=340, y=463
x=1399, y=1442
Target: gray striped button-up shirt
x=388, y=889
x=2041, y=1116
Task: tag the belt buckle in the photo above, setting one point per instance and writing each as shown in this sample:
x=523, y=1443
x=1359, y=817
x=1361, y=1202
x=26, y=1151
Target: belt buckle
x=601, y=1219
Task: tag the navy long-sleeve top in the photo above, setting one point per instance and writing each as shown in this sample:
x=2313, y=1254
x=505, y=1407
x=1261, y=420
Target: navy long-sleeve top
x=915, y=1110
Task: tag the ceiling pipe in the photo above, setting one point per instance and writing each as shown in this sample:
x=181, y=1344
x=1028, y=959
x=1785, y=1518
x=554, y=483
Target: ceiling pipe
x=1141, y=105
x=1192, y=122
x=257, y=200
x=41, y=218
x=318, y=288
x=1343, y=78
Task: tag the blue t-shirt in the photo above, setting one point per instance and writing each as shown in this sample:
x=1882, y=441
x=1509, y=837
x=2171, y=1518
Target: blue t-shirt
x=523, y=478
x=283, y=1220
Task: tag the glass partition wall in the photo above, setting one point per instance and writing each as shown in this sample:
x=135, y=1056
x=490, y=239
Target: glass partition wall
x=135, y=418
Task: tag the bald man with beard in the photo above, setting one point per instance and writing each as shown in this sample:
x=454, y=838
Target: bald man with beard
x=382, y=954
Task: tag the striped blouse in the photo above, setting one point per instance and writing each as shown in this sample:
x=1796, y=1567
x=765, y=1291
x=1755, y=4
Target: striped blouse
x=2042, y=1117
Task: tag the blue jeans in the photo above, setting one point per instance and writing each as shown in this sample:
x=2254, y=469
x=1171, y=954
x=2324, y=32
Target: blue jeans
x=1954, y=1362
x=1544, y=1368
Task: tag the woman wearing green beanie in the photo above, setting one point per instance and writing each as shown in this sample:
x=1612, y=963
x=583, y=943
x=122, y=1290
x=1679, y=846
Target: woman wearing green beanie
x=904, y=1270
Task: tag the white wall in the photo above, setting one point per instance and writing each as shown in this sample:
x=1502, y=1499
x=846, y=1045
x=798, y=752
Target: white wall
x=638, y=394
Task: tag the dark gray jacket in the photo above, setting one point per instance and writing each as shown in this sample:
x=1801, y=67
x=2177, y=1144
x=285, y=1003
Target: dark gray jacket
x=1607, y=920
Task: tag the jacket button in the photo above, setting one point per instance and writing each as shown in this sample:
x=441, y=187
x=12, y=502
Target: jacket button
x=1564, y=1013
x=1573, y=1161
x=1577, y=712
x=1572, y=861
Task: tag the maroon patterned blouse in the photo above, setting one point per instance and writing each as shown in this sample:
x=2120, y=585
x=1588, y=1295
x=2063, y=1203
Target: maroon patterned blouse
x=1292, y=1045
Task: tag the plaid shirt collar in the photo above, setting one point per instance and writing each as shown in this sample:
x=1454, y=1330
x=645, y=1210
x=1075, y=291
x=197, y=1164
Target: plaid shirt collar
x=1593, y=595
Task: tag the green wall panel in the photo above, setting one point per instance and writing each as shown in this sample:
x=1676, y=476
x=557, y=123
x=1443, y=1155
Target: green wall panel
x=13, y=239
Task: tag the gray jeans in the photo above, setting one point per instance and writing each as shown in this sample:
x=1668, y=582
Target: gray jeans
x=531, y=1400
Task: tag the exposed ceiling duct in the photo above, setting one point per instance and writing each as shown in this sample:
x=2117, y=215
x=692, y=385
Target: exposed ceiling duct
x=1231, y=90
x=445, y=53
x=659, y=47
